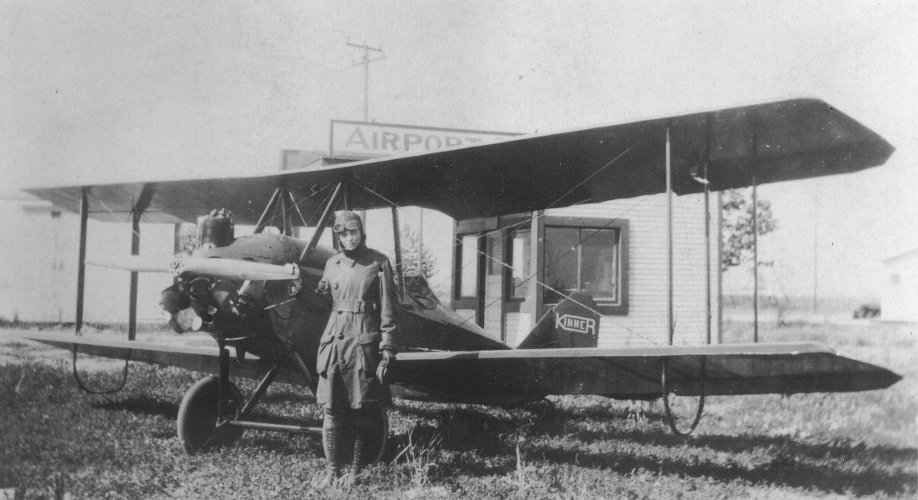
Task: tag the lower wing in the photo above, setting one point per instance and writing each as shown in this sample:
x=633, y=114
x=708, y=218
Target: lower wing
x=199, y=359
x=528, y=374
x=636, y=373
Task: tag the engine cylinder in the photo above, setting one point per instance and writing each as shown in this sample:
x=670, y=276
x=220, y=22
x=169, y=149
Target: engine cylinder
x=216, y=229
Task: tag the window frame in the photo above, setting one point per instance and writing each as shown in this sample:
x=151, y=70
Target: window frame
x=509, y=255
x=460, y=273
x=606, y=308
x=478, y=228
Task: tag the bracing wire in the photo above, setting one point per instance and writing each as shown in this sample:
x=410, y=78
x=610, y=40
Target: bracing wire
x=549, y=288
x=594, y=174
x=109, y=210
x=296, y=207
x=529, y=220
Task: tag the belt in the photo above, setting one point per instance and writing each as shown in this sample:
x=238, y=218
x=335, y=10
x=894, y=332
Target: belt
x=354, y=306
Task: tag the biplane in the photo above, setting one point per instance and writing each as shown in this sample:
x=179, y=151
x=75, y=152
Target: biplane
x=256, y=294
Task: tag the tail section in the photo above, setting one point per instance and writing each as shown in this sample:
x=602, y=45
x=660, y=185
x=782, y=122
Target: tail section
x=574, y=322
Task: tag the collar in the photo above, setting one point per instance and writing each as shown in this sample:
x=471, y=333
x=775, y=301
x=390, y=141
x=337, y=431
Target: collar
x=350, y=258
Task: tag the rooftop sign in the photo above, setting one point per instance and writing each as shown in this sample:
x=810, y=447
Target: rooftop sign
x=372, y=139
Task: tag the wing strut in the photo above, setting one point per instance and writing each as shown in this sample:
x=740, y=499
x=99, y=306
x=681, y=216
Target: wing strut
x=704, y=160
x=397, y=238
x=81, y=265
x=263, y=220
x=755, y=232
x=281, y=199
x=327, y=213
x=669, y=240
x=707, y=233
x=286, y=214
x=140, y=206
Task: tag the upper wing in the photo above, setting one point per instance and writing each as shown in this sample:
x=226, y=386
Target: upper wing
x=635, y=373
x=200, y=359
x=762, y=143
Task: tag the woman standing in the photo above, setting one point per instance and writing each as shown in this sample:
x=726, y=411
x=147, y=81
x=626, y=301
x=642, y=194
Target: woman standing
x=357, y=346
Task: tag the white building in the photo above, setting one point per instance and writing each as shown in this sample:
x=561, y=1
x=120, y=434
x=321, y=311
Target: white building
x=38, y=265
x=899, y=299
x=615, y=252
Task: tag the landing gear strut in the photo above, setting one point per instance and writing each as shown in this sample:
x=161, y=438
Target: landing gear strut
x=214, y=413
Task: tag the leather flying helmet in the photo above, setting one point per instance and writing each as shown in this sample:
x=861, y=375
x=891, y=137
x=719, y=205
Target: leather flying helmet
x=347, y=220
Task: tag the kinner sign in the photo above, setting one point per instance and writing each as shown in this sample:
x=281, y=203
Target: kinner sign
x=376, y=139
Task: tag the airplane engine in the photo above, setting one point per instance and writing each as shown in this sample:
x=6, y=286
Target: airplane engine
x=174, y=302
x=223, y=293
x=216, y=229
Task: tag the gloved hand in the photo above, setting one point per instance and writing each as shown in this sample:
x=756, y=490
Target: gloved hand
x=323, y=289
x=382, y=371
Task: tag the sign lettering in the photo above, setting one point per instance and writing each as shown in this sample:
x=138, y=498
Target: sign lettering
x=577, y=324
x=375, y=139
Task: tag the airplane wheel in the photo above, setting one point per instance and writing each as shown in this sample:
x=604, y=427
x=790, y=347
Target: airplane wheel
x=197, y=416
x=377, y=446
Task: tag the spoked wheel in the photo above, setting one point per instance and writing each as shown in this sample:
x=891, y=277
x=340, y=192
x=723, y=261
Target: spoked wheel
x=197, y=416
x=377, y=445
x=679, y=408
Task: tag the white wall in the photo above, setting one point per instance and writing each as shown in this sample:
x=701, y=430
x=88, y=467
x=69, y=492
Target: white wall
x=900, y=288
x=645, y=323
x=38, y=266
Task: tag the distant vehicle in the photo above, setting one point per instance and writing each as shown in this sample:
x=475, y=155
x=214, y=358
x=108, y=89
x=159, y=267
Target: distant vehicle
x=867, y=311
x=256, y=294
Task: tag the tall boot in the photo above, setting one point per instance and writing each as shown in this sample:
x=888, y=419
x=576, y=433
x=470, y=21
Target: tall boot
x=334, y=429
x=360, y=449
x=363, y=436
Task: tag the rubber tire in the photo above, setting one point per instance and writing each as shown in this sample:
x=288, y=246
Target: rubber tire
x=197, y=416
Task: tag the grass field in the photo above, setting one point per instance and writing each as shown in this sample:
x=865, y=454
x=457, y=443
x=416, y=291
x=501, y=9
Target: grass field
x=57, y=441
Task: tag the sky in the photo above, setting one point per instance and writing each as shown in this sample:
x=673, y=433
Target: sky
x=114, y=90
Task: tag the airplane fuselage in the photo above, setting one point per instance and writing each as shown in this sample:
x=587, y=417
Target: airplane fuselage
x=271, y=318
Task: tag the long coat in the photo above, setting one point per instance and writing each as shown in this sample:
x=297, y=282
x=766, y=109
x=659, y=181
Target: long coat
x=362, y=322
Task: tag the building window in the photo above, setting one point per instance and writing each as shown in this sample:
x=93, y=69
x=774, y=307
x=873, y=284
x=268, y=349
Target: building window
x=495, y=255
x=468, y=266
x=518, y=247
x=585, y=259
